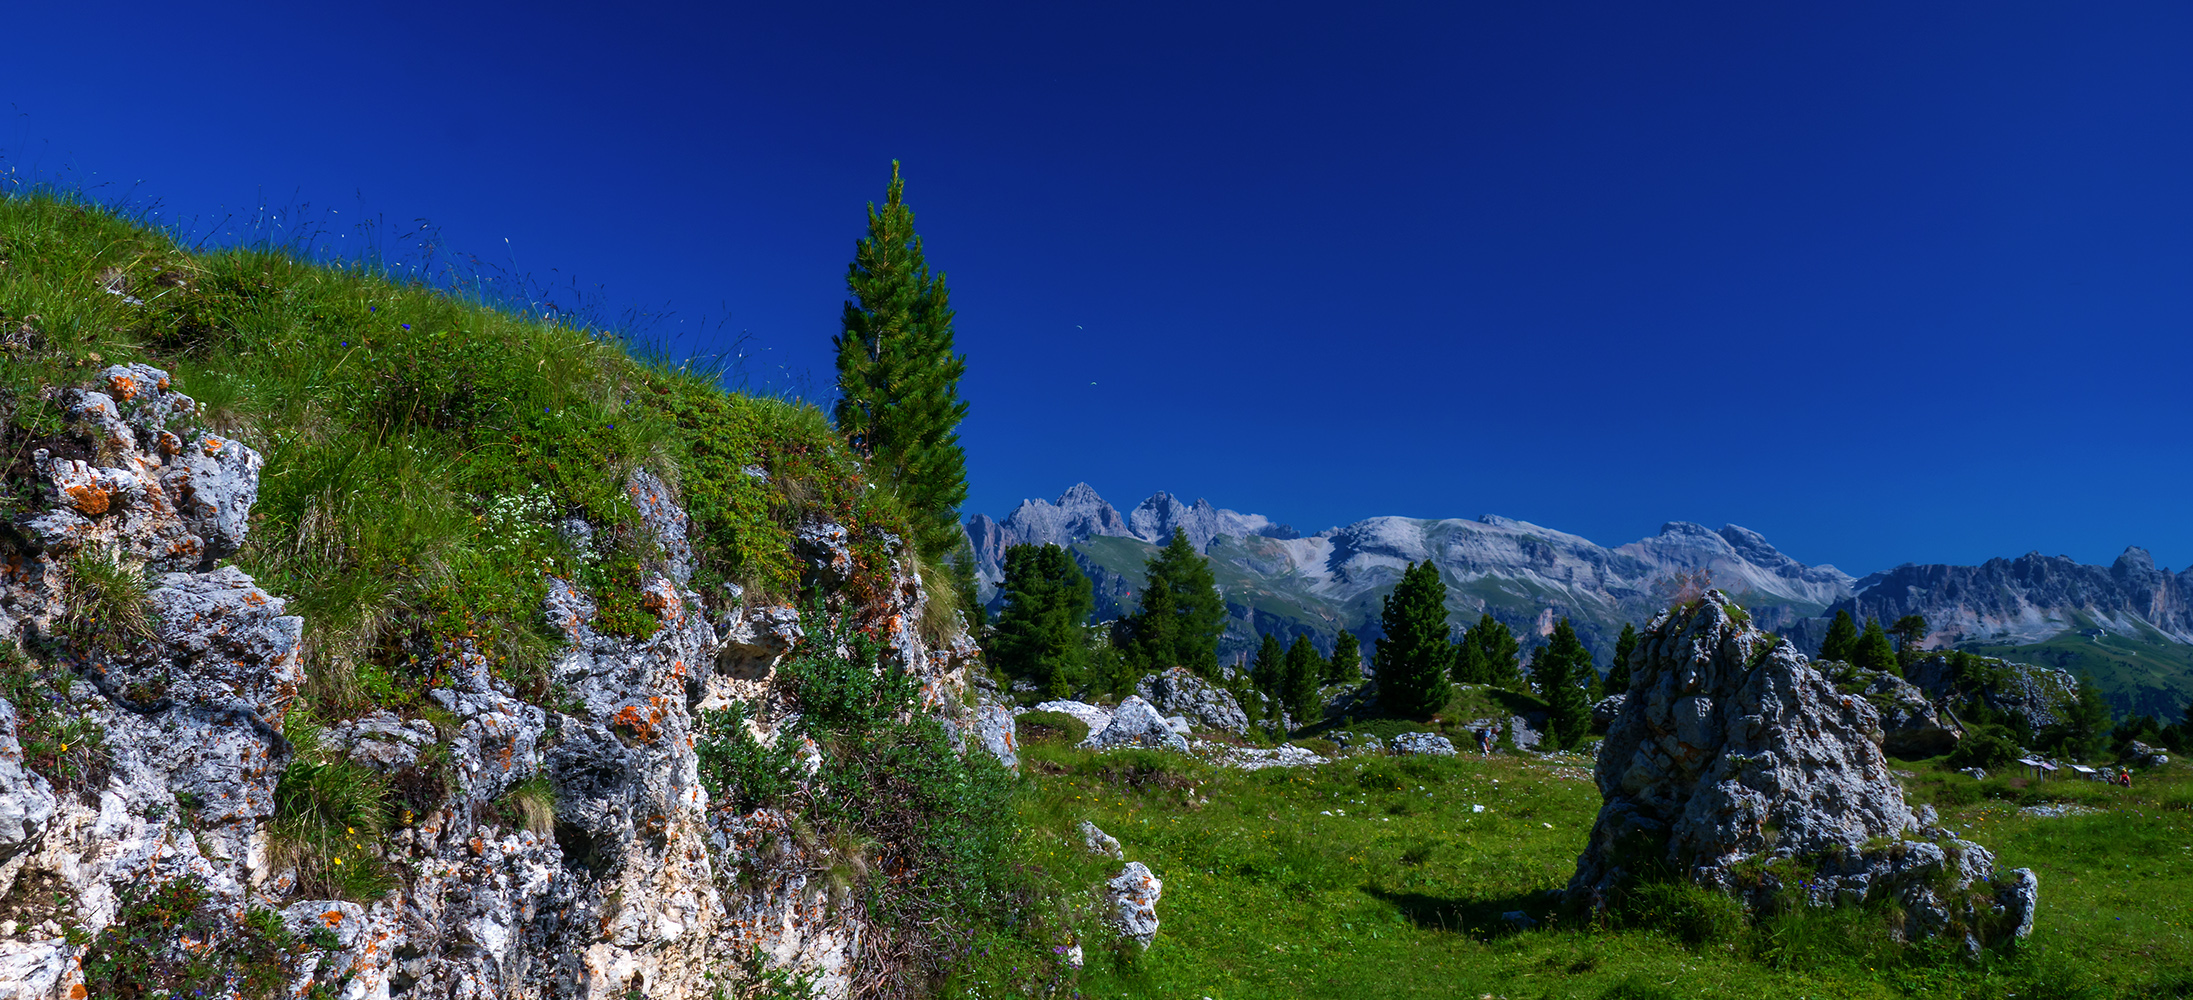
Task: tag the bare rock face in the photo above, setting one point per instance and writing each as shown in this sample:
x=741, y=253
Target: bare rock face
x=26, y=799
x=1912, y=728
x=1731, y=748
x=1178, y=691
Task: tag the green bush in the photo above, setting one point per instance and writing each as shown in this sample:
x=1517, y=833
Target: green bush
x=735, y=767
x=172, y=937
x=1033, y=728
x=1986, y=747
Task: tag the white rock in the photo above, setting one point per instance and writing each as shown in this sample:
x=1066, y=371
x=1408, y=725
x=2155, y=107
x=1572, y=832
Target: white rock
x=1134, y=896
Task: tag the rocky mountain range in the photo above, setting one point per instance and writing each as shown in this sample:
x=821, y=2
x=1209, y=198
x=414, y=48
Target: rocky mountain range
x=2128, y=625
x=1277, y=580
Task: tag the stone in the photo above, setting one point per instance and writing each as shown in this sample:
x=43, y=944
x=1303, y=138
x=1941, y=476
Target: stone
x=1523, y=734
x=1976, y=773
x=827, y=549
x=2141, y=755
x=1519, y=920
x=1134, y=899
x=26, y=798
x=2018, y=895
x=1605, y=710
x=1912, y=728
x=1099, y=842
x=1425, y=744
x=994, y=730
x=1178, y=691
x=1090, y=715
x=1136, y=724
x=1733, y=748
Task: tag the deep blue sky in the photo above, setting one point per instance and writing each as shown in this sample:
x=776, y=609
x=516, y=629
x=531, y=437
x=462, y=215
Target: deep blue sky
x=1888, y=283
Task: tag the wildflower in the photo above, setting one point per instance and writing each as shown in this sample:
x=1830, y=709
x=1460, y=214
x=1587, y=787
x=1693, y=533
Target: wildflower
x=407, y=326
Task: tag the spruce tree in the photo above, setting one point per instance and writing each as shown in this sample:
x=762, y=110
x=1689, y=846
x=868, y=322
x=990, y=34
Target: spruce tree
x=1039, y=635
x=2086, y=724
x=1181, y=615
x=898, y=378
x=1557, y=671
x=1841, y=639
x=1414, y=653
x=1873, y=651
x=1618, y=672
x=1496, y=659
x=1304, y=669
x=1346, y=664
x=1270, y=672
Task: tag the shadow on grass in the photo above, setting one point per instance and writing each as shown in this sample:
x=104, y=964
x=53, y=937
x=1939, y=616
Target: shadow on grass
x=1482, y=918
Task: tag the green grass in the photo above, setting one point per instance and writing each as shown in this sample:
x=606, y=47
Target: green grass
x=1404, y=896
x=2146, y=674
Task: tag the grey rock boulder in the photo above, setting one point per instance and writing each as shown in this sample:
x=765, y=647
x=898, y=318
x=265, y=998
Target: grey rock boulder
x=26, y=799
x=1178, y=691
x=1423, y=744
x=1136, y=724
x=1524, y=734
x=1135, y=893
x=2139, y=754
x=1911, y=727
x=1099, y=842
x=994, y=729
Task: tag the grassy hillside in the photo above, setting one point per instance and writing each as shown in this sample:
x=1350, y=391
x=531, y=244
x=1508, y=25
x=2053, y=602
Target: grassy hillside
x=2146, y=674
x=1378, y=877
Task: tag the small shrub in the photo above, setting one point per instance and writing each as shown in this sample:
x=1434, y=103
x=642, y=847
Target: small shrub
x=735, y=767
x=173, y=937
x=1057, y=728
x=1987, y=747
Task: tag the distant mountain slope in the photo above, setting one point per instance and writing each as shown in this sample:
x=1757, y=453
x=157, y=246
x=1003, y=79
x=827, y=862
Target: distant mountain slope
x=2129, y=625
x=1278, y=581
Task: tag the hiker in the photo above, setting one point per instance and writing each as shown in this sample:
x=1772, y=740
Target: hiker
x=1484, y=742
x=2124, y=777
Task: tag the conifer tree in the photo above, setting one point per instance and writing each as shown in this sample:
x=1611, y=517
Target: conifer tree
x=1618, y=672
x=1873, y=651
x=1346, y=664
x=1414, y=654
x=1910, y=633
x=1181, y=615
x=898, y=378
x=1842, y=637
x=1304, y=670
x=1270, y=672
x=1557, y=671
x=1039, y=635
x=1495, y=660
x=2086, y=725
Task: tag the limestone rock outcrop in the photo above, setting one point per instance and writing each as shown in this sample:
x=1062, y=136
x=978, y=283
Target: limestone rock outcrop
x=640, y=882
x=1912, y=727
x=1731, y=748
x=1178, y=691
x=1423, y=744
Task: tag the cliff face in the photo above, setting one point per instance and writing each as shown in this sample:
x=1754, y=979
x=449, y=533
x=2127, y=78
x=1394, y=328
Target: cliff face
x=566, y=847
x=1276, y=580
x=2031, y=598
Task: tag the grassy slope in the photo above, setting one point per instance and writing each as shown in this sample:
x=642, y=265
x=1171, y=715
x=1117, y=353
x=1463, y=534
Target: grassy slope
x=2147, y=674
x=1266, y=897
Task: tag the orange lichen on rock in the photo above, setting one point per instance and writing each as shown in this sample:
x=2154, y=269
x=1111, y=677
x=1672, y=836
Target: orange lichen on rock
x=88, y=498
x=123, y=385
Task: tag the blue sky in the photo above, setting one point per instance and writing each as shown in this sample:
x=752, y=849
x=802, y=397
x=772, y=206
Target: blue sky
x=1886, y=282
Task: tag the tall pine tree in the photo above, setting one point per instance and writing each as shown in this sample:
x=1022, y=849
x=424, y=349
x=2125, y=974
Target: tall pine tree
x=1873, y=651
x=1842, y=638
x=1414, y=654
x=1558, y=672
x=1618, y=672
x=1181, y=615
x=1039, y=635
x=1345, y=666
x=1269, y=674
x=1299, y=688
x=898, y=378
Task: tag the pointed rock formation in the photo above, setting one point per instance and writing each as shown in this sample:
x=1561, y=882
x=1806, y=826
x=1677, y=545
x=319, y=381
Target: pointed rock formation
x=1735, y=765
